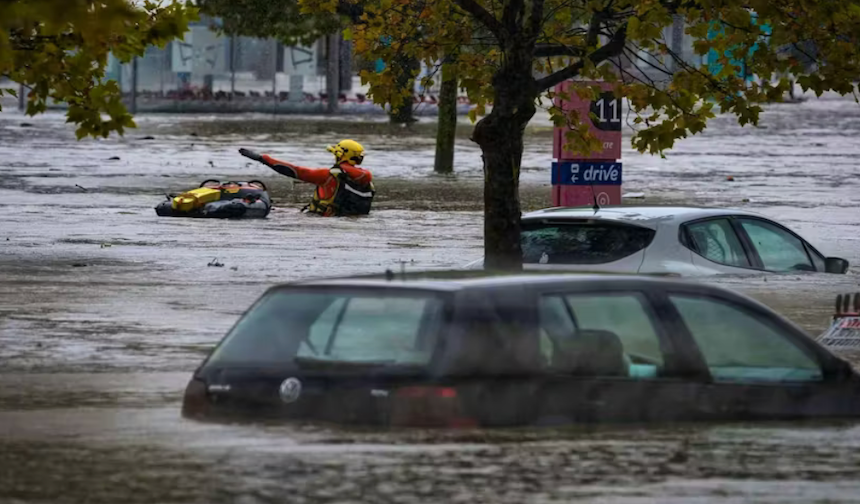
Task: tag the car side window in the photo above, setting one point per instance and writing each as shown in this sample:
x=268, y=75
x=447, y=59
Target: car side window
x=739, y=346
x=717, y=241
x=371, y=328
x=779, y=250
x=599, y=335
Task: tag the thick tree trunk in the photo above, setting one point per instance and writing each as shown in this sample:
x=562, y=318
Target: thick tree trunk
x=405, y=67
x=500, y=136
x=447, y=124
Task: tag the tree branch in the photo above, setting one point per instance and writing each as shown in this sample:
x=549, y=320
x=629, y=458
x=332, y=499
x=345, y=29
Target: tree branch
x=610, y=50
x=553, y=50
x=536, y=22
x=593, y=30
x=351, y=10
x=482, y=15
x=514, y=10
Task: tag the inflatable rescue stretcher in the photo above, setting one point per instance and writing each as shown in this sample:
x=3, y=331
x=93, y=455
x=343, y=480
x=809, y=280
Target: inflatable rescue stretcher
x=844, y=331
x=214, y=199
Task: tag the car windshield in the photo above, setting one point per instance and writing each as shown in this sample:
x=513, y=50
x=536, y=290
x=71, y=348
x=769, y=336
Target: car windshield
x=581, y=242
x=313, y=328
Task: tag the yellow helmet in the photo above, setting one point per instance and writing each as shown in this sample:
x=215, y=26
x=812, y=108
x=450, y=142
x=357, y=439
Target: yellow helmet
x=347, y=150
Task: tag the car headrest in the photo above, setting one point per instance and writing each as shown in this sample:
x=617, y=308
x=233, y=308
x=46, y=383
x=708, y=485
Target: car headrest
x=591, y=352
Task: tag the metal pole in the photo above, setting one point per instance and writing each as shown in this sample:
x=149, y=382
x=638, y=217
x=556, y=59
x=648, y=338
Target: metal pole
x=134, y=86
x=21, y=102
x=333, y=74
x=274, y=75
x=345, y=54
x=162, y=70
x=677, y=40
x=232, y=66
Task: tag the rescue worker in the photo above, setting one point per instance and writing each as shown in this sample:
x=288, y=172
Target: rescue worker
x=344, y=189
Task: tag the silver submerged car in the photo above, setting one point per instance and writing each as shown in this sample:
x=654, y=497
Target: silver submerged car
x=684, y=241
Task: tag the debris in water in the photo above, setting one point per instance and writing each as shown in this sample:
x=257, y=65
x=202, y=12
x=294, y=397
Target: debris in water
x=84, y=189
x=148, y=138
x=730, y=178
x=26, y=125
x=105, y=245
x=211, y=164
x=78, y=265
x=844, y=330
x=216, y=263
x=234, y=268
x=745, y=200
x=113, y=158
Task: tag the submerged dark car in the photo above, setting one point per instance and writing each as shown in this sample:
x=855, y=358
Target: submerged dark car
x=522, y=350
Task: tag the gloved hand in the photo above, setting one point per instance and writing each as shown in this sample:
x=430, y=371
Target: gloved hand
x=253, y=155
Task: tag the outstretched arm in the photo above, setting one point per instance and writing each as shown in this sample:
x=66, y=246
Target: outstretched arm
x=316, y=176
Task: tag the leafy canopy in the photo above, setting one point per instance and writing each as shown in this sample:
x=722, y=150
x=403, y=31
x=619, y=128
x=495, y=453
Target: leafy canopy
x=625, y=42
x=59, y=49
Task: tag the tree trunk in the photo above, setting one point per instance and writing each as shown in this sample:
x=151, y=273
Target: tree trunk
x=447, y=123
x=405, y=67
x=500, y=136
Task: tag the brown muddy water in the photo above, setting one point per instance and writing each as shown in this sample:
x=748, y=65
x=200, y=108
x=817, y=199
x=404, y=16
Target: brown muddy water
x=105, y=309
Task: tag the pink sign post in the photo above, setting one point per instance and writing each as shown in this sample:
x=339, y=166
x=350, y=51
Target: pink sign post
x=579, y=179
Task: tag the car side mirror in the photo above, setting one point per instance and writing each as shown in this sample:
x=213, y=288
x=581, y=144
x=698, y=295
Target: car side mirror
x=836, y=265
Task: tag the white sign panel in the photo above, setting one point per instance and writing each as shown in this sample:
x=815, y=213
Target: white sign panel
x=300, y=60
x=200, y=52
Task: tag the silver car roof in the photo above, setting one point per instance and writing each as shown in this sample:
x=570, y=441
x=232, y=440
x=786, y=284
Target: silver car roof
x=645, y=216
x=458, y=280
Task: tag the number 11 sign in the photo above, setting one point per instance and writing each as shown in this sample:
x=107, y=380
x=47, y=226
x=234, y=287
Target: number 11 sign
x=606, y=127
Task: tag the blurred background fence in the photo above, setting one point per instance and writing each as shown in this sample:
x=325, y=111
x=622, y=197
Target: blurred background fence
x=208, y=72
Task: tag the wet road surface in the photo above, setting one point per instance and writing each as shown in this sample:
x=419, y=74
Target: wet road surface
x=105, y=309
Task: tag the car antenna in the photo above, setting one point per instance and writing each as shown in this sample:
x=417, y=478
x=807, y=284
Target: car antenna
x=596, y=206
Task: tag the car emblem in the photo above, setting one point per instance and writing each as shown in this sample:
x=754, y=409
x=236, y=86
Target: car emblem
x=290, y=390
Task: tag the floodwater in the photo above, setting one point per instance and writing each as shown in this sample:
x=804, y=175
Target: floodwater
x=105, y=309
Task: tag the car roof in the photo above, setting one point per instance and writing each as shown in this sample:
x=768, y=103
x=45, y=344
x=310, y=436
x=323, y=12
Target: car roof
x=456, y=280
x=645, y=215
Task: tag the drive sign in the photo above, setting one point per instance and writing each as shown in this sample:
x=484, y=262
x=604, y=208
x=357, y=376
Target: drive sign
x=583, y=179
x=586, y=173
